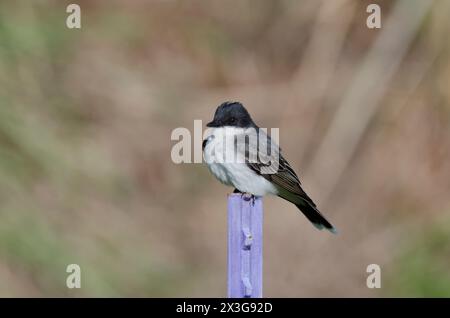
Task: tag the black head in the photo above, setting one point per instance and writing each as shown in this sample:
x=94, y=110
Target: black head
x=231, y=114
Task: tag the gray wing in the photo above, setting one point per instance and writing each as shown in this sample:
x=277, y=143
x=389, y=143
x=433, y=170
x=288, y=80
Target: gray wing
x=271, y=165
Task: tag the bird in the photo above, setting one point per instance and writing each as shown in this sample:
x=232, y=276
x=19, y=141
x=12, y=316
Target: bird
x=263, y=171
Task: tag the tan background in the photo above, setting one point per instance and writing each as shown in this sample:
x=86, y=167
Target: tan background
x=85, y=122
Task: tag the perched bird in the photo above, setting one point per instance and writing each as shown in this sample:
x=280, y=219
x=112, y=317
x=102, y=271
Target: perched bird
x=263, y=170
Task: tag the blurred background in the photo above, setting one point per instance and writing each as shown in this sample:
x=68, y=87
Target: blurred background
x=86, y=116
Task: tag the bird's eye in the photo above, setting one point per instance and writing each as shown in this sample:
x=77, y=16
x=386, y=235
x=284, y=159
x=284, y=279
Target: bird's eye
x=232, y=120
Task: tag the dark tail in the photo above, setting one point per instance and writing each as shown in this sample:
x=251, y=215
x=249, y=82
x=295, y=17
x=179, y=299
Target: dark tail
x=316, y=218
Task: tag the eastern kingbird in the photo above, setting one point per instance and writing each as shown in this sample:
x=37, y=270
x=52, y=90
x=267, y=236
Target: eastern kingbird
x=263, y=169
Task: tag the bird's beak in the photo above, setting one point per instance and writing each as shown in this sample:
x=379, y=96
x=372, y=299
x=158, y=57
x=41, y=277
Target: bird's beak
x=213, y=124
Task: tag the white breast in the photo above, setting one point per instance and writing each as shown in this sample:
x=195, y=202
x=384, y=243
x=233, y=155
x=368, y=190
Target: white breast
x=235, y=174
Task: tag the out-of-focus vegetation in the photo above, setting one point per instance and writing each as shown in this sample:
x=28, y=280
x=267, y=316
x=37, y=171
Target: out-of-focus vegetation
x=422, y=269
x=85, y=123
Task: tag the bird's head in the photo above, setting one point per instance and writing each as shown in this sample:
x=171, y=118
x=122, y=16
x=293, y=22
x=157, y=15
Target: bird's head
x=231, y=114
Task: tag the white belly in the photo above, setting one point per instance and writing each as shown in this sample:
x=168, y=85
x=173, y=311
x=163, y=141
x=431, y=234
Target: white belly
x=238, y=175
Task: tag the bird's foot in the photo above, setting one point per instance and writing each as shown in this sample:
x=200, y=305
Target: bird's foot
x=248, y=196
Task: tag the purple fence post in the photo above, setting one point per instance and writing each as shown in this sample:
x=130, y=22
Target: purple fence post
x=245, y=241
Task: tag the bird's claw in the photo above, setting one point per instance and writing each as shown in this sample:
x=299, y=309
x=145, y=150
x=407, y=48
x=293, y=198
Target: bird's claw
x=248, y=196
